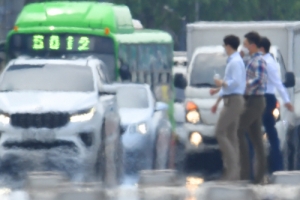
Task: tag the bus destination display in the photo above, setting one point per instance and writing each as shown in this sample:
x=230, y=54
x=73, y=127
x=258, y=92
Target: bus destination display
x=63, y=43
x=56, y=42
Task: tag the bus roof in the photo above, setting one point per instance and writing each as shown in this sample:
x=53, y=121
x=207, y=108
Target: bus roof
x=93, y=15
x=145, y=35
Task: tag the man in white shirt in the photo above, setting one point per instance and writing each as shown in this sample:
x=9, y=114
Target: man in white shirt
x=274, y=82
x=231, y=89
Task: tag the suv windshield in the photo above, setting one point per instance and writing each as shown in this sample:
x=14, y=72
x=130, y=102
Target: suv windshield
x=49, y=77
x=132, y=97
x=205, y=66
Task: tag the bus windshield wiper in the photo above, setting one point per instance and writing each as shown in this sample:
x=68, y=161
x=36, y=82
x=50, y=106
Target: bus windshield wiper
x=203, y=85
x=6, y=90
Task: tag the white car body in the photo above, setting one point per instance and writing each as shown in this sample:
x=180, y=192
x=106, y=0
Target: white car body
x=28, y=117
x=147, y=130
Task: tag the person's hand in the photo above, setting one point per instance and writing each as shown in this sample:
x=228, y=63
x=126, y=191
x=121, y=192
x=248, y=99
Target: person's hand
x=214, y=108
x=214, y=91
x=218, y=82
x=290, y=107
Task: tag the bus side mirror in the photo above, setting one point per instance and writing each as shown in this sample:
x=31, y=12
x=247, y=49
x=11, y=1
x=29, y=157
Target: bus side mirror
x=2, y=54
x=180, y=81
x=289, y=80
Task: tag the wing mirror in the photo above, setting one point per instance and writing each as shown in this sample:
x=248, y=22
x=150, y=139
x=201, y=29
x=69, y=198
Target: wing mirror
x=180, y=81
x=289, y=80
x=107, y=90
x=2, y=54
x=161, y=106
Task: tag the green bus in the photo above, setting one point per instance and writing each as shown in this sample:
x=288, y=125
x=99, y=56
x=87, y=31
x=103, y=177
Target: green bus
x=102, y=30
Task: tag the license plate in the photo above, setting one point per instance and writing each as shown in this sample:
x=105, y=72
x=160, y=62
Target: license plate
x=38, y=135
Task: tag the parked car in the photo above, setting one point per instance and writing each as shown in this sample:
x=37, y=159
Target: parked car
x=146, y=128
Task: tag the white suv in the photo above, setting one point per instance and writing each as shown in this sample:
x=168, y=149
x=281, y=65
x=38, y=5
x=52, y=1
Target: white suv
x=45, y=103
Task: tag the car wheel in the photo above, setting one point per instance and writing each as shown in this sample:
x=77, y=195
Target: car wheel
x=162, y=147
x=110, y=155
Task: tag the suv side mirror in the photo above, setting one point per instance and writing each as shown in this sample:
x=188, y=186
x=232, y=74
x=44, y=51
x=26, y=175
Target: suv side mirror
x=180, y=81
x=289, y=80
x=107, y=90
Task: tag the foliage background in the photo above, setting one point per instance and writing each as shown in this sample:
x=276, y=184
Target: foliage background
x=153, y=15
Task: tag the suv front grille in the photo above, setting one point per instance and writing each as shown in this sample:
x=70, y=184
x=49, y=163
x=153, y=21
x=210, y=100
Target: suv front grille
x=43, y=120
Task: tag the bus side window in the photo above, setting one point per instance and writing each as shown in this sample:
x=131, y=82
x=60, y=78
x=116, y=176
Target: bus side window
x=132, y=56
x=2, y=55
x=123, y=48
x=142, y=57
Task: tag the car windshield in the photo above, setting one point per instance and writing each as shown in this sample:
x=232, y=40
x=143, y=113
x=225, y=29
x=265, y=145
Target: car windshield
x=49, y=77
x=205, y=66
x=132, y=97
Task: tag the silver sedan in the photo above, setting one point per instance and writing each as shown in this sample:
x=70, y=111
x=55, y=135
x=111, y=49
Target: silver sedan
x=146, y=128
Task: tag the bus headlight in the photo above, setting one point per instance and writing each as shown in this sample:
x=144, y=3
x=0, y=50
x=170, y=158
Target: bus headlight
x=195, y=138
x=193, y=116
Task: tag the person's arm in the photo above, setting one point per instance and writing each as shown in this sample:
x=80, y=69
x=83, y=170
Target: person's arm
x=276, y=81
x=233, y=74
x=215, y=106
x=274, y=78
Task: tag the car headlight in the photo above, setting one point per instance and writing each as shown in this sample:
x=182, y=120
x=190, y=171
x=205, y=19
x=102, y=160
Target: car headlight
x=193, y=116
x=4, y=119
x=276, y=112
x=141, y=128
x=195, y=138
x=86, y=116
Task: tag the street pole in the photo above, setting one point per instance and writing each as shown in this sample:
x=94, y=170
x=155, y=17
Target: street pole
x=196, y=10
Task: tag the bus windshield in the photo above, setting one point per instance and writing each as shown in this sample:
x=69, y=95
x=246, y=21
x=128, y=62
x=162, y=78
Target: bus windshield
x=58, y=45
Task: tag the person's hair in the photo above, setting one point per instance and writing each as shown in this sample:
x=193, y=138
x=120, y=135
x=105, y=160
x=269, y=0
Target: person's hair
x=253, y=38
x=232, y=41
x=265, y=43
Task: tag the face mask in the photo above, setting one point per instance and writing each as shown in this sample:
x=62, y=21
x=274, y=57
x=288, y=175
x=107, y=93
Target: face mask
x=245, y=50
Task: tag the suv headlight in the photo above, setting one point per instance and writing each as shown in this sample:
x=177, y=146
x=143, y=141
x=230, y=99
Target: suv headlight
x=4, y=118
x=84, y=116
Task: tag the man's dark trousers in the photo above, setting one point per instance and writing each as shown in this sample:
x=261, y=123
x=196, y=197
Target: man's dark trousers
x=275, y=156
